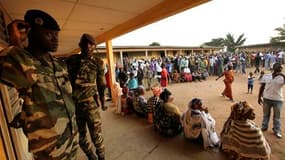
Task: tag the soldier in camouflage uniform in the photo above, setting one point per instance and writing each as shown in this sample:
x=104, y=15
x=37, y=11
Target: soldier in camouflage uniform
x=48, y=113
x=89, y=79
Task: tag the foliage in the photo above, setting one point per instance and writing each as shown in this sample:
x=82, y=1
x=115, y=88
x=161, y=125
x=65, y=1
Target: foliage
x=229, y=41
x=281, y=34
x=231, y=44
x=216, y=42
x=154, y=44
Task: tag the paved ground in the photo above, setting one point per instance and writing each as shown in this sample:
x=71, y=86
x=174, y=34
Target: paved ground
x=131, y=138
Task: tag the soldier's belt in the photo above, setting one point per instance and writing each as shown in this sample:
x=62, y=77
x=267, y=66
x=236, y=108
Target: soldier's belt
x=87, y=84
x=86, y=99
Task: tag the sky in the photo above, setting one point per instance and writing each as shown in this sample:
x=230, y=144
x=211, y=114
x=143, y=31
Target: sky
x=257, y=19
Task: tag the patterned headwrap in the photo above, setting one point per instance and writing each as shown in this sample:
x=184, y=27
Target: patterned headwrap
x=242, y=111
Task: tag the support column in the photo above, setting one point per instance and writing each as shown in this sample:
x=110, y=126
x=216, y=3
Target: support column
x=110, y=58
x=121, y=58
x=146, y=54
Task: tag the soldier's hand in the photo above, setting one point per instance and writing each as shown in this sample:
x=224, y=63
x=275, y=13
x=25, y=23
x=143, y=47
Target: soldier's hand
x=18, y=33
x=17, y=122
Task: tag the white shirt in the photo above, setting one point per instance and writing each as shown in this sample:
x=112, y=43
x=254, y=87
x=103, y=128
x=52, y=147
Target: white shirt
x=273, y=87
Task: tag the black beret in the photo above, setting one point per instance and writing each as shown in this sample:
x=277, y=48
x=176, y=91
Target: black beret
x=87, y=38
x=39, y=18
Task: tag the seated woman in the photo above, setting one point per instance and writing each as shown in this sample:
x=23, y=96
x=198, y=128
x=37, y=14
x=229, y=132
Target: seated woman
x=187, y=77
x=140, y=103
x=132, y=83
x=205, y=75
x=176, y=76
x=153, y=102
x=241, y=138
x=196, y=76
x=199, y=125
x=167, y=116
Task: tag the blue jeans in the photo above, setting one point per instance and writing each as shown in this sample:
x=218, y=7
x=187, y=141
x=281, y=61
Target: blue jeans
x=277, y=107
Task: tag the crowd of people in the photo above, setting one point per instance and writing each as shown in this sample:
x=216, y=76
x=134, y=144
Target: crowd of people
x=62, y=99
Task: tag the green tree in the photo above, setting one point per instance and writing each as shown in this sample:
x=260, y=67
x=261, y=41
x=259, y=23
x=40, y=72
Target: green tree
x=154, y=44
x=216, y=42
x=229, y=41
x=281, y=34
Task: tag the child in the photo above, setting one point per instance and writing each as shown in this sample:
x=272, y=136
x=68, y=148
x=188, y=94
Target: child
x=124, y=97
x=250, y=82
x=140, y=103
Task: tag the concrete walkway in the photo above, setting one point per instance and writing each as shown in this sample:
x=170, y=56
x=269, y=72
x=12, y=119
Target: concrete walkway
x=131, y=138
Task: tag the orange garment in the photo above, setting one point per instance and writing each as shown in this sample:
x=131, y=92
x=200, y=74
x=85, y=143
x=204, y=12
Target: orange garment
x=229, y=78
x=164, y=78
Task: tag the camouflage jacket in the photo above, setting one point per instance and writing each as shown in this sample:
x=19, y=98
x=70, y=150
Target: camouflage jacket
x=48, y=112
x=89, y=77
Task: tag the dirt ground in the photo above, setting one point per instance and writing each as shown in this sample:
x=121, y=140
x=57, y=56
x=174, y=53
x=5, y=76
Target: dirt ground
x=131, y=138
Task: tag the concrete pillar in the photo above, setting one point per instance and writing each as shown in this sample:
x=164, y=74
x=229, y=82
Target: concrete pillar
x=146, y=54
x=110, y=58
x=121, y=57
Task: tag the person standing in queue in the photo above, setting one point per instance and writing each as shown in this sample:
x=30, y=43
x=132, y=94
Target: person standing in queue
x=48, y=112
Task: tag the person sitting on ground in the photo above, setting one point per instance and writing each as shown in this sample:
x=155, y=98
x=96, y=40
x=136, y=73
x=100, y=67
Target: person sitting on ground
x=140, y=103
x=153, y=102
x=198, y=124
x=187, y=77
x=167, y=116
x=205, y=75
x=241, y=138
x=175, y=76
x=196, y=76
x=132, y=82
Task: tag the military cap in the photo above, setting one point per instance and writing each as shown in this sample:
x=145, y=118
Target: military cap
x=87, y=38
x=39, y=18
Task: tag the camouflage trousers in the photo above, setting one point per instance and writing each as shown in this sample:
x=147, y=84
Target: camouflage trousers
x=88, y=115
x=65, y=148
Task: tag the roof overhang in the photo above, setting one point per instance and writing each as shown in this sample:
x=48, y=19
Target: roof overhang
x=104, y=19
